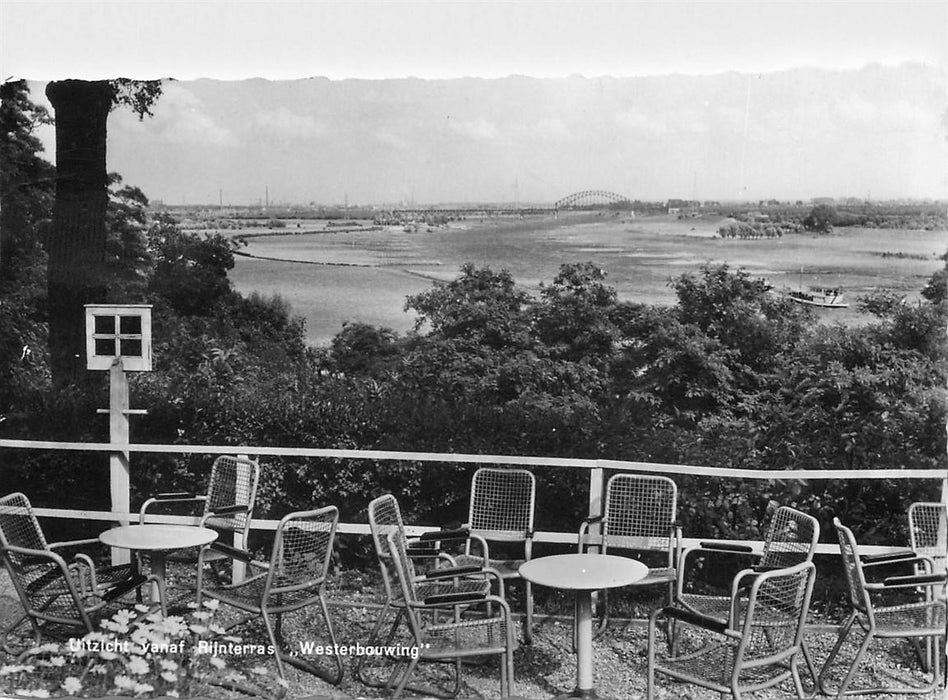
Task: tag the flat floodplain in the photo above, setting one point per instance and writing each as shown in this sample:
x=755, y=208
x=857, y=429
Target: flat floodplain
x=333, y=277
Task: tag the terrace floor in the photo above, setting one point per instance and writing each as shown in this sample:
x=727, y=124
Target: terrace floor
x=542, y=670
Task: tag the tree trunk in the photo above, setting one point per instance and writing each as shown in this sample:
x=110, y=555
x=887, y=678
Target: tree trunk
x=76, y=245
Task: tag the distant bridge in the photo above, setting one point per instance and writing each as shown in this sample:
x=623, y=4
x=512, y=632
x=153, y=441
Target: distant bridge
x=591, y=198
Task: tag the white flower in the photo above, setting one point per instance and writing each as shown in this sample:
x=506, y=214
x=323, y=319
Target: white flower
x=216, y=629
x=143, y=688
x=217, y=662
x=142, y=608
x=37, y=693
x=72, y=685
x=212, y=604
x=201, y=615
x=168, y=665
x=49, y=646
x=57, y=661
x=123, y=617
x=137, y=665
x=99, y=669
x=124, y=683
x=174, y=693
x=169, y=676
x=198, y=629
x=108, y=655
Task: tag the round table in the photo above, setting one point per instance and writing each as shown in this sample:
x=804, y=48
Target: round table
x=157, y=540
x=583, y=573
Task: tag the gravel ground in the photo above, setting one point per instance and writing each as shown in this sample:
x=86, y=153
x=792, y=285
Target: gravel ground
x=543, y=669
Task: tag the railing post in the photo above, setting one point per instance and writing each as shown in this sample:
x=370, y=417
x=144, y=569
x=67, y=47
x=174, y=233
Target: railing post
x=239, y=568
x=119, y=481
x=595, y=505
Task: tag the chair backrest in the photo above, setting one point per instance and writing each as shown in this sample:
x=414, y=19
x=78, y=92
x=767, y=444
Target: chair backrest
x=503, y=503
x=385, y=518
x=640, y=512
x=302, y=551
x=233, y=482
x=775, y=615
x=928, y=530
x=791, y=538
x=852, y=568
x=19, y=526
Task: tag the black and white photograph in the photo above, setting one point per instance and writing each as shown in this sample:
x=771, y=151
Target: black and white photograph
x=474, y=349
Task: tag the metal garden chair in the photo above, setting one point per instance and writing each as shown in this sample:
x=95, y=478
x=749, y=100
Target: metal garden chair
x=441, y=576
x=639, y=516
x=757, y=646
x=61, y=599
x=791, y=539
x=440, y=626
x=923, y=617
x=227, y=507
x=295, y=578
x=502, y=509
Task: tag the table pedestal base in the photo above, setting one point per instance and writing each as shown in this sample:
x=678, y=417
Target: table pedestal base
x=590, y=694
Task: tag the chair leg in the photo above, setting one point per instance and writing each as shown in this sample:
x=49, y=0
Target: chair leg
x=404, y=681
x=840, y=638
x=854, y=667
x=373, y=637
x=276, y=645
x=528, y=630
x=650, y=677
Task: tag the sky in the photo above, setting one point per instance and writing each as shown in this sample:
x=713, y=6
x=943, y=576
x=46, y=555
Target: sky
x=887, y=141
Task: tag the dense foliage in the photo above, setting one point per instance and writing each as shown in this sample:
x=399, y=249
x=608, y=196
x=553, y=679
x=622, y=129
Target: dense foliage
x=729, y=376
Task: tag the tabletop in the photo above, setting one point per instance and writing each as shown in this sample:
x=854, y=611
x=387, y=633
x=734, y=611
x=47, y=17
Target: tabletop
x=583, y=572
x=157, y=537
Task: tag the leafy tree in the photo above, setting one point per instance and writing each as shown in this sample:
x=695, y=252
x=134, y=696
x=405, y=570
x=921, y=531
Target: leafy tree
x=26, y=196
x=362, y=349
x=821, y=218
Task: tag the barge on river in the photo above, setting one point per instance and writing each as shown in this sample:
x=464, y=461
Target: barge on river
x=826, y=297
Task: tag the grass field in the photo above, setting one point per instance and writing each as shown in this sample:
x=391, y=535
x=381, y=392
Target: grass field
x=365, y=276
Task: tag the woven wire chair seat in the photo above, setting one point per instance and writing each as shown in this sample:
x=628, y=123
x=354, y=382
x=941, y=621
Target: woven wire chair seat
x=426, y=589
x=507, y=568
x=249, y=593
x=903, y=620
x=710, y=605
x=477, y=636
x=713, y=665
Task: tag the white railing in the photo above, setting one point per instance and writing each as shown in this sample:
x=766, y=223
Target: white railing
x=121, y=512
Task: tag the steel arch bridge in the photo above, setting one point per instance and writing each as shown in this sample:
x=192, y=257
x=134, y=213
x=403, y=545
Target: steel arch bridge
x=590, y=198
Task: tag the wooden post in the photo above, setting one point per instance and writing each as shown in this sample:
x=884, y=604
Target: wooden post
x=238, y=567
x=119, y=481
x=595, y=504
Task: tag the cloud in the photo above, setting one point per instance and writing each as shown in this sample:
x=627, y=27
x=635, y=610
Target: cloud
x=180, y=117
x=552, y=128
x=476, y=129
x=635, y=121
x=389, y=138
x=284, y=123
x=890, y=115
